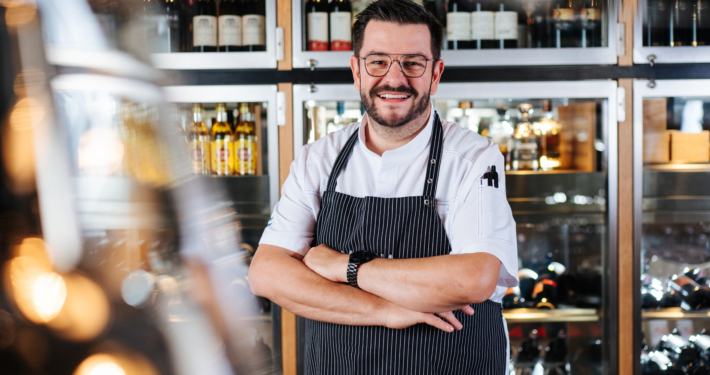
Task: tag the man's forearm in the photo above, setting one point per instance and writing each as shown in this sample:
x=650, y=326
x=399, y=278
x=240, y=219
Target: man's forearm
x=288, y=282
x=432, y=284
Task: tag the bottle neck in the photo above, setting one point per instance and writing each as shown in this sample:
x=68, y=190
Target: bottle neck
x=197, y=116
x=221, y=115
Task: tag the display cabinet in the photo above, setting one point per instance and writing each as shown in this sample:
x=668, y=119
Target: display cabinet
x=671, y=233
x=488, y=33
x=671, y=31
x=565, y=209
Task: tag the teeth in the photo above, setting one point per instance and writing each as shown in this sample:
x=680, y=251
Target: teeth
x=390, y=96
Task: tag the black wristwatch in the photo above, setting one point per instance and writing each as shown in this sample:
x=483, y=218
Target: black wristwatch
x=357, y=259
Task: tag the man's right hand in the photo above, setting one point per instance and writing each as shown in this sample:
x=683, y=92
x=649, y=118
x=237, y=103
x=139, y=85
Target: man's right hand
x=398, y=317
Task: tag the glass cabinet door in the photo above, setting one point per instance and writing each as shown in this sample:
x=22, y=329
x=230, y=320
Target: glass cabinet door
x=562, y=190
x=481, y=33
x=672, y=230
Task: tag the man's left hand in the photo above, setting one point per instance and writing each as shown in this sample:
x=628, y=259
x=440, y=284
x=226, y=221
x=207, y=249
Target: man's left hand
x=328, y=263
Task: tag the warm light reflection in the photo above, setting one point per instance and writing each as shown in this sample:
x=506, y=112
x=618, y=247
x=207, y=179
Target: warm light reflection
x=18, y=15
x=86, y=310
x=22, y=273
x=48, y=295
x=100, y=151
x=18, y=145
x=100, y=364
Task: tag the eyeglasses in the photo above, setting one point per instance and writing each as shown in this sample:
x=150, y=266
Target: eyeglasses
x=413, y=66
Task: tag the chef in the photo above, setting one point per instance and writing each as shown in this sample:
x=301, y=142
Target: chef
x=393, y=236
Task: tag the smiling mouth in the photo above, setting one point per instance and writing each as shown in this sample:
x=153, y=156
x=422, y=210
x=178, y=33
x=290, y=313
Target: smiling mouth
x=393, y=96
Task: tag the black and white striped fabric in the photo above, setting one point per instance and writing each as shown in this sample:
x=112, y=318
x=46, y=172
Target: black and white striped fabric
x=398, y=228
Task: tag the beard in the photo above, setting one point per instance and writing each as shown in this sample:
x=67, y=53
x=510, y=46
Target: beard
x=394, y=121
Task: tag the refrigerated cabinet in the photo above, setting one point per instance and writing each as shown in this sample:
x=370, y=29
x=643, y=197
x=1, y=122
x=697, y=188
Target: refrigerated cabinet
x=565, y=217
x=671, y=221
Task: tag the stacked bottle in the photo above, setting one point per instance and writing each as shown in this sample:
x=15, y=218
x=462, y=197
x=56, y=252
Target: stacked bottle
x=328, y=26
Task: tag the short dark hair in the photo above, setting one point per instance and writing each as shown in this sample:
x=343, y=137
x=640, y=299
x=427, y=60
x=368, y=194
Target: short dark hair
x=404, y=12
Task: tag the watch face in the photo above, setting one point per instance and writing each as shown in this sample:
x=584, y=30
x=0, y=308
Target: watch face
x=361, y=257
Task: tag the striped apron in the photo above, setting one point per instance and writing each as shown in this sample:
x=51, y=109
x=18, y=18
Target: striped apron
x=398, y=228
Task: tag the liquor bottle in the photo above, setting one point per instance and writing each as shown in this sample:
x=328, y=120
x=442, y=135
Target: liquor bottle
x=692, y=295
x=341, y=32
x=681, y=23
x=529, y=350
x=170, y=37
x=591, y=24
x=230, y=26
x=501, y=130
x=556, y=351
x=651, y=292
x=657, y=28
x=506, y=25
x=679, y=349
x=317, y=25
x=523, y=146
x=550, y=138
x=701, y=23
x=204, y=26
x=564, y=25
x=222, y=144
x=253, y=25
x=458, y=25
x=245, y=143
x=199, y=140
x=483, y=25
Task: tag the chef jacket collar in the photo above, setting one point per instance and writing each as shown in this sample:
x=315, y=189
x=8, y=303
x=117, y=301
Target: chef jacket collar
x=403, y=153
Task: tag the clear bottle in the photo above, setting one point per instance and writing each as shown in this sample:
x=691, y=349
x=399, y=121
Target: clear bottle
x=523, y=149
x=245, y=154
x=501, y=130
x=549, y=130
x=198, y=138
x=222, y=144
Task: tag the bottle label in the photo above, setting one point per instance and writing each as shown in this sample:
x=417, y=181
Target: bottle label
x=590, y=14
x=482, y=26
x=318, y=31
x=506, y=25
x=341, y=31
x=563, y=14
x=245, y=153
x=253, y=32
x=222, y=162
x=458, y=26
x=230, y=30
x=199, y=155
x=204, y=31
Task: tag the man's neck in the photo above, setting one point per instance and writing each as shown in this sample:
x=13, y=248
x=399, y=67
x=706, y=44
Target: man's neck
x=380, y=138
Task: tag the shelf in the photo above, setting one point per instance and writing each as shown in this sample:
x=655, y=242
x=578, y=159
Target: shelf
x=675, y=313
x=550, y=316
x=214, y=60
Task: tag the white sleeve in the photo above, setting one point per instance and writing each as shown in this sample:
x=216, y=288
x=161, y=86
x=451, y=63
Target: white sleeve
x=482, y=220
x=293, y=219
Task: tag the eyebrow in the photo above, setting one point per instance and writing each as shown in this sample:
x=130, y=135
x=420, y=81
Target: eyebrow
x=397, y=54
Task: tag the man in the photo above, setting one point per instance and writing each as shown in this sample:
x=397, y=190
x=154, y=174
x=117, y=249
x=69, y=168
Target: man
x=392, y=232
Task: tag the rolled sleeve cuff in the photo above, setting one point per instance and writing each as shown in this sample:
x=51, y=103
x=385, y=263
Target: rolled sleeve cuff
x=297, y=245
x=505, y=252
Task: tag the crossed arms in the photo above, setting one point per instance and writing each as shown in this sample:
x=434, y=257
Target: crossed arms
x=396, y=293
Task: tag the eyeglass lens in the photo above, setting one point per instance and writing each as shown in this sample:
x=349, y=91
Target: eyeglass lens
x=413, y=66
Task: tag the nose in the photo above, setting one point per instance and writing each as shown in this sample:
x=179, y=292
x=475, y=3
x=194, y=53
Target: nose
x=395, y=77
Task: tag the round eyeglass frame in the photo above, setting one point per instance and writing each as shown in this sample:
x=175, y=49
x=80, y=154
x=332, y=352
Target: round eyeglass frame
x=392, y=60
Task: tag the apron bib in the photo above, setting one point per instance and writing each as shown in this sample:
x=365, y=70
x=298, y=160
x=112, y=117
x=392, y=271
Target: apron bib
x=398, y=228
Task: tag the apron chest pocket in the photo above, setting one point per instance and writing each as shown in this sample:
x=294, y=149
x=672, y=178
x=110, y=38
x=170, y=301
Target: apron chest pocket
x=494, y=215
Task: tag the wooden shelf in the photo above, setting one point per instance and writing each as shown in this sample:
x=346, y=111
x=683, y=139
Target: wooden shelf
x=549, y=316
x=675, y=313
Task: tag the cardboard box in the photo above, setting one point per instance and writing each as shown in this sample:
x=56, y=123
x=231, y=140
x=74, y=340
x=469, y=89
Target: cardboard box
x=657, y=147
x=690, y=147
x=579, y=132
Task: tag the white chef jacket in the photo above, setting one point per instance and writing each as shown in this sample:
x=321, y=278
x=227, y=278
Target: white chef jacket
x=477, y=218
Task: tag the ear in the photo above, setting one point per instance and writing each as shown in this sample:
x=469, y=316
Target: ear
x=355, y=67
x=437, y=71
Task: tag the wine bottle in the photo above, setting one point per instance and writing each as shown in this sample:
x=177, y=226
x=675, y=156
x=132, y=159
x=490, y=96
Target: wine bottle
x=701, y=342
x=658, y=23
x=556, y=351
x=699, y=275
x=670, y=299
x=317, y=25
x=526, y=282
x=171, y=40
x=545, y=294
x=458, y=25
x=341, y=32
x=529, y=350
x=512, y=299
x=186, y=32
x=204, y=26
x=482, y=25
x=658, y=363
x=199, y=141
x=590, y=24
x=692, y=295
x=681, y=23
x=506, y=25
x=538, y=25
x=245, y=143
x=590, y=286
x=564, y=25
x=253, y=25
x=222, y=144
x=230, y=26
x=701, y=23
x=567, y=289
x=679, y=350
x=651, y=292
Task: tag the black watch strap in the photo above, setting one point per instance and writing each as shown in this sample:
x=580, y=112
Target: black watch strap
x=352, y=274
x=357, y=259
